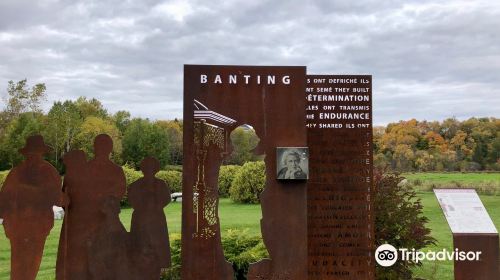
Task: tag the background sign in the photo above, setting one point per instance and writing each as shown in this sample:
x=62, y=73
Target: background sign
x=340, y=215
x=464, y=211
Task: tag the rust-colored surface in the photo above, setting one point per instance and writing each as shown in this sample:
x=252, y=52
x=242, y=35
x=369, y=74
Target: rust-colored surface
x=110, y=250
x=93, y=243
x=488, y=267
x=148, y=196
x=72, y=259
x=29, y=192
x=95, y=189
x=340, y=216
x=211, y=111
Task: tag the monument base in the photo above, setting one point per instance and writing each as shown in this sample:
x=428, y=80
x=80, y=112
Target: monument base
x=488, y=266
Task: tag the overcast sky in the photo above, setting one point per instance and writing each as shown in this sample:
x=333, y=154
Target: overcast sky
x=429, y=59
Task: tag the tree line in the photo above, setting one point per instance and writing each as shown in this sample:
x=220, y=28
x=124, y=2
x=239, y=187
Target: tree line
x=73, y=124
x=406, y=146
x=450, y=145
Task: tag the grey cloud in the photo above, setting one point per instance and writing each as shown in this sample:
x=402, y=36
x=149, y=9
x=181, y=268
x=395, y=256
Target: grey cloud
x=427, y=57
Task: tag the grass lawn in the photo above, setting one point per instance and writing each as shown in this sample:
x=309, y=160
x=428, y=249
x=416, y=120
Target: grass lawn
x=449, y=177
x=484, y=183
x=232, y=215
x=248, y=216
x=441, y=231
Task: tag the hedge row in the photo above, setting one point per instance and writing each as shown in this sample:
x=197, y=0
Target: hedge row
x=171, y=177
x=226, y=177
x=240, y=249
x=248, y=183
x=242, y=184
x=3, y=175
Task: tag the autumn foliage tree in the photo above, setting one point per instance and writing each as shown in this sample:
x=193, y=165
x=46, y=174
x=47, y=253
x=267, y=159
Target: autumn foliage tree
x=450, y=145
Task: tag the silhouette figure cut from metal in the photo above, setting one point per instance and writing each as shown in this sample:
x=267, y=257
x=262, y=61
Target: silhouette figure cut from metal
x=94, y=244
x=148, y=196
x=95, y=189
x=77, y=229
x=29, y=192
x=106, y=179
x=109, y=256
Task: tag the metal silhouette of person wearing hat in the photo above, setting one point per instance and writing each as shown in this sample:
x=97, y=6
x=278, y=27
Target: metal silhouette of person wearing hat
x=30, y=191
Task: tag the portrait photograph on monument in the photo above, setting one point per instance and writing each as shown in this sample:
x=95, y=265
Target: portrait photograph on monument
x=293, y=163
x=249, y=140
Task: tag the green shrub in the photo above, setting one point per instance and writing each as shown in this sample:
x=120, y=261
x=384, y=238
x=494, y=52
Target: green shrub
x=240, y=249
x=399, y=221
x=248, y=183
x=226, y=177
x=495, y=166
x=131, y=175
x=3, y=176
x=173, y=167
x=173, y=179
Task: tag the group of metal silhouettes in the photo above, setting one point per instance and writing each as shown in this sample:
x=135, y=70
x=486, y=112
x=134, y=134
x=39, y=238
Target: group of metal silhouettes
x=93, y=242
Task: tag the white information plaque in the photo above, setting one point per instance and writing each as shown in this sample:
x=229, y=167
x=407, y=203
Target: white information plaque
x=464, y=211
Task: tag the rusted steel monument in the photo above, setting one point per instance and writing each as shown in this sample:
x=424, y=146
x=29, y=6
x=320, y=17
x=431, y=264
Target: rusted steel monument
x=340, y=187
x=331, y=238
x=317, y=217
x=217, y=99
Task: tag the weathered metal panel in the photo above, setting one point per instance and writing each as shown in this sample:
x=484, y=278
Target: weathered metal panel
x=270, y=99
x=340, y=213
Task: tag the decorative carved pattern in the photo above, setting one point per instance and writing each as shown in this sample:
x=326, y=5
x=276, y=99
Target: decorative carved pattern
x=214, y=135
x=206, y=233
x=284, y=275
x=210, y=210
x=208, y=134
x=197, y=126
x=205, y=198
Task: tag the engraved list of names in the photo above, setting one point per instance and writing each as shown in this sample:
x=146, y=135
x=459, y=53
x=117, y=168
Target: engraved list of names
x=340, y=214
